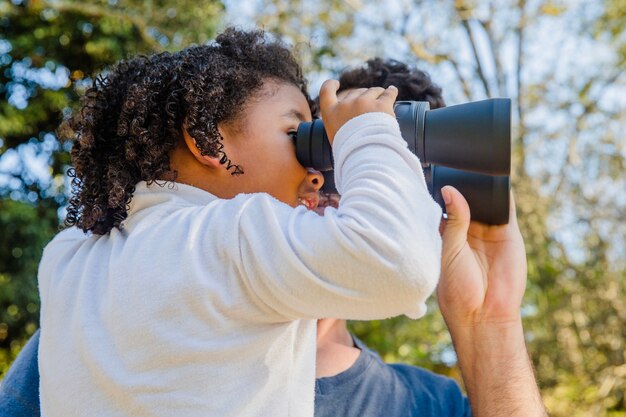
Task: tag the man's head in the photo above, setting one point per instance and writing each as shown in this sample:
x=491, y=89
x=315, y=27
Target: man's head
x=412, y=83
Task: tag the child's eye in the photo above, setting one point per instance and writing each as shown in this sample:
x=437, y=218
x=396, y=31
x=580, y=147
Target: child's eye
x=293, y=134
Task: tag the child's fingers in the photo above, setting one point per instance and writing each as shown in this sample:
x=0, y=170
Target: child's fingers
x=389, y=95
x=372, y=93
x=353, y=93
x=328, y=94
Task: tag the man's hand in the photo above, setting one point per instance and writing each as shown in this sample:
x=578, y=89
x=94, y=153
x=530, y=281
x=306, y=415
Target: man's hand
x=336, y=113
x=483, y=272
x=483, y=277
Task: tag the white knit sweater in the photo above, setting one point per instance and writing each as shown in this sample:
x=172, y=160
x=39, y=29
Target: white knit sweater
x=201, y=306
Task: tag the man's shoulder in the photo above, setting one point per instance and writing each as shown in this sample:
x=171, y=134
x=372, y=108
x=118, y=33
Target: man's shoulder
x=425, y=379
x=432, y=393
x=442, y=393
x=415, y=377
x=19, y=391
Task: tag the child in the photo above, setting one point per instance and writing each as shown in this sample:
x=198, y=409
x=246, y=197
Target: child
x=191, y=279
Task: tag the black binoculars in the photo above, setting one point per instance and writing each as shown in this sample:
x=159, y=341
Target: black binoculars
x=467, y=146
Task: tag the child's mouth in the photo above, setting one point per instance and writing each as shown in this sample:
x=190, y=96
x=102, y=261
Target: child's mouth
x=310, y=201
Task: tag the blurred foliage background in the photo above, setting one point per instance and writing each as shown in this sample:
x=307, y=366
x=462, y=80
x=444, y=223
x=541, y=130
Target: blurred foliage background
x=563, y=63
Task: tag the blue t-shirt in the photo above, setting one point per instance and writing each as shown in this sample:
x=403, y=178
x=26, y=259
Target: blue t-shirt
x=368, y=388
x=372, y=388
x=19, y=390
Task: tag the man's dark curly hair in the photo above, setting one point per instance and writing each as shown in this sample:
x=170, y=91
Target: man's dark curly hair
x=412, y=83
x=133, y=116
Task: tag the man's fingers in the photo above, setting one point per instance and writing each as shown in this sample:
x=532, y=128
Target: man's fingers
x=512, y=209
x=328, y=94
x=457, y=225
x=456, y=205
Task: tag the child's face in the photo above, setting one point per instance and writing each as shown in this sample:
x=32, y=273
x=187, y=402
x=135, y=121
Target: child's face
x=261, y=143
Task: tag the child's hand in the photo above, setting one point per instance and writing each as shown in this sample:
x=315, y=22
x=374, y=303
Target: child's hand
x=359, y=101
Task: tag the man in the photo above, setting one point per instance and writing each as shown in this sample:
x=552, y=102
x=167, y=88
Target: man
x=482, y=284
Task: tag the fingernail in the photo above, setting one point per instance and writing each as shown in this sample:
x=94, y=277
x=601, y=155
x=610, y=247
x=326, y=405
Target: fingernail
x=446, y=196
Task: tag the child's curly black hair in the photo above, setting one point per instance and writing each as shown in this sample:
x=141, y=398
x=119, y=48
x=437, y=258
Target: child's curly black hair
x=133, y=116
x=412, y=83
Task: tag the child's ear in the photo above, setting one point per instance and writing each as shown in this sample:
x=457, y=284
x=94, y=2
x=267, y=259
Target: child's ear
x=209, y=161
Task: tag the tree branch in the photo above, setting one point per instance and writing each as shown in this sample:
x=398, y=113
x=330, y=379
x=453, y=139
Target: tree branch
x=494, y=45
x=462, y=12
x=464, y=83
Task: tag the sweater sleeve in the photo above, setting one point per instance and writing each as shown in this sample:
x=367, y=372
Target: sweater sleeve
x=376, y=256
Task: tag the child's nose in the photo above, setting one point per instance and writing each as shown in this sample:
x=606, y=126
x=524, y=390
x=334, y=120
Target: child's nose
x=314, y=178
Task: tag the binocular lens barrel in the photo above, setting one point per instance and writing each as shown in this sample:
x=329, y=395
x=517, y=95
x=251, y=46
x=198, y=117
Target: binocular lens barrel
x=486, y=195
x=472, y=136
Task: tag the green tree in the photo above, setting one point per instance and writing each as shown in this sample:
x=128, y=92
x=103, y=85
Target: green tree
x=26, y=229
x=49, y=50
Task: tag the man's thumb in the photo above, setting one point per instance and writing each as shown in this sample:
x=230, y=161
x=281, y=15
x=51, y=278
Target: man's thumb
x=458, y=213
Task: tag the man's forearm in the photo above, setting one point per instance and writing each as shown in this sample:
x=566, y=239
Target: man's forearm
x=496, y=370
